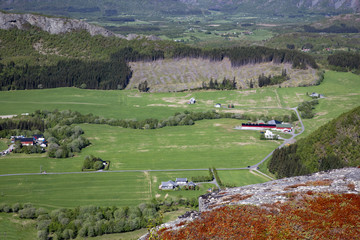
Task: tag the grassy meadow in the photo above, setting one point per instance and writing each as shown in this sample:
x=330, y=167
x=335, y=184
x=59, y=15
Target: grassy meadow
x=14, y=228
x=206, y=144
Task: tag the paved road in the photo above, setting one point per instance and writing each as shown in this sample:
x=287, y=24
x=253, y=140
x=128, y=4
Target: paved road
x=254, y=167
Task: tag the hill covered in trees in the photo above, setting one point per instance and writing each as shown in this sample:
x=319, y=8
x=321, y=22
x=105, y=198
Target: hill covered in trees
x=334, y=145
x=32, y=58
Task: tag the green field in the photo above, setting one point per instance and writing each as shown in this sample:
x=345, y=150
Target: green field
x=208, y=143
x=241, y=177
x=14, y=228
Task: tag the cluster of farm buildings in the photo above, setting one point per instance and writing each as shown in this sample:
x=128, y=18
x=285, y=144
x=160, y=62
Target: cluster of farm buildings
x=179, y=182
x=37, y=139
x=271, y=125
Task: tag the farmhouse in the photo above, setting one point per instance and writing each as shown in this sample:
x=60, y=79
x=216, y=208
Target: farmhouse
x=181, y=181
x=270, y=135
x=316, y=95
x=25, y=141
x=169, y=185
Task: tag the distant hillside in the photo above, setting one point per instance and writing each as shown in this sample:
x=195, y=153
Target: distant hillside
x=182, y=7
x=334, y=145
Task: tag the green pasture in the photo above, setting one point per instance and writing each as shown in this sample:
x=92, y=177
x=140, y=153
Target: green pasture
x=208, y=143
x=241, y=177
x=100, y=189
x=14, y=228
x=58, y=191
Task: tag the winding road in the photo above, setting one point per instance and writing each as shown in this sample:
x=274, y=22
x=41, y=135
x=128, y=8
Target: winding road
x=251, y=168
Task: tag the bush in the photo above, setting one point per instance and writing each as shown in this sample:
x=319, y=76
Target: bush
x=16, y=207
x=42, y=235
x=28, y=213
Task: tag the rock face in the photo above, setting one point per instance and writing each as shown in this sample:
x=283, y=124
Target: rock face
x=339, y=181
x=345, y=180
x=51, y=25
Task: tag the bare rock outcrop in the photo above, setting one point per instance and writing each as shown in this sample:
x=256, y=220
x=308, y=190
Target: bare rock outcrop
x=51, y=25
x=346, y=180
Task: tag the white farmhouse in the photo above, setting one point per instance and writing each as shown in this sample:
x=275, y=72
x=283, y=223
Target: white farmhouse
x=270, y=135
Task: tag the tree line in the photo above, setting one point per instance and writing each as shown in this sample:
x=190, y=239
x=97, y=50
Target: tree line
x=345, y=60
x=225, y=84
x=114, y=74
x=342, y=28
x=272, y=80
x=92, y=221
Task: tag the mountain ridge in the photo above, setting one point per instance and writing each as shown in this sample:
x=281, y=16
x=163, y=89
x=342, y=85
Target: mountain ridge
x=181, y=7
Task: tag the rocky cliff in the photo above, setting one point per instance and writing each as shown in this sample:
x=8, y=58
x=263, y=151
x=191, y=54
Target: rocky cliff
x=51, y=25
x=341, y=181
x=59, y=25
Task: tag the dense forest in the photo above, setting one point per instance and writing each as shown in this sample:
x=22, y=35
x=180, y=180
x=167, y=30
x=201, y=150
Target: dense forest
x=345, y=60
x=69, y=73
x=334, y=145
x=342, y=28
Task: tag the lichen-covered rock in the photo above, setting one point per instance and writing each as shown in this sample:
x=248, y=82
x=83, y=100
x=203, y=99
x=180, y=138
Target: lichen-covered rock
x=346, y=180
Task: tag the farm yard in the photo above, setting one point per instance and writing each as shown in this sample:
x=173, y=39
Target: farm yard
x=190, y=73
x=208, y=143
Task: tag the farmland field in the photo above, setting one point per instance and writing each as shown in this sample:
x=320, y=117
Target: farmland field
x=99, y=189
x=241, y=177
x=208, y=143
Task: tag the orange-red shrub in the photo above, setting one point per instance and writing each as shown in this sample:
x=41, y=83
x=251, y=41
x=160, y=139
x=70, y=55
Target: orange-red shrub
x=322, y=216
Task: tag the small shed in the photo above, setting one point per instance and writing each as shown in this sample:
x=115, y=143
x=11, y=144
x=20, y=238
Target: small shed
x=192, y=101
x=218, y=105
